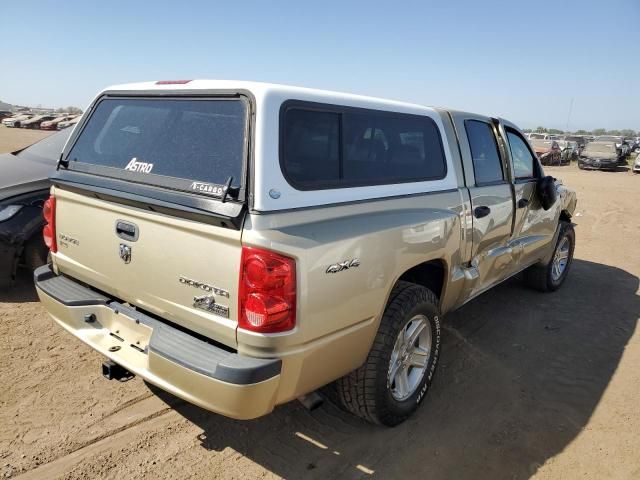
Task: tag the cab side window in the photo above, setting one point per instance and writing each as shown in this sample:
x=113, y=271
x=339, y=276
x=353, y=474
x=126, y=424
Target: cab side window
x=523, y=161
x=487, y=166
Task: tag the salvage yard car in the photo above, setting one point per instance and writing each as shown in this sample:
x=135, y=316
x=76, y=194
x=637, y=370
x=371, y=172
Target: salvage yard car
x=24, y=187
x=241, y=244
x=548, y=151
x=53, y=124
x=618, y=141
x=68, y=123
x=569, y=151
x=16, y=120
x=599, y=155
x=35, y=122
x=579, y=139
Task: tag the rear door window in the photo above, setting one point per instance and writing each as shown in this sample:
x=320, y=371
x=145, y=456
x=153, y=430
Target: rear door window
x=189, y=144
x=487, y=166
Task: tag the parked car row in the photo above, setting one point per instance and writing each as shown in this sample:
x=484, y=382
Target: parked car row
x=601, y=152
x=43, y=122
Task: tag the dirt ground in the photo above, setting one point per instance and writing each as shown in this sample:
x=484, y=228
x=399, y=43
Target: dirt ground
x=529, y=385
x=12, y=139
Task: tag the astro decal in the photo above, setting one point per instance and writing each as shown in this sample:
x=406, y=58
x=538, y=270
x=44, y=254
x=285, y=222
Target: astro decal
x=141, y=167
x=208, y=188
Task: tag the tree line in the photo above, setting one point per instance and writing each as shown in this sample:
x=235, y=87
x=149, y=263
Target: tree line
x=71, y=110
x=598, y=131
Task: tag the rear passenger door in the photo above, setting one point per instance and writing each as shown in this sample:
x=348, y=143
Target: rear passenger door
x=491, y=200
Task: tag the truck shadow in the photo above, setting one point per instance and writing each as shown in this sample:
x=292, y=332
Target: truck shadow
x=520, y=377
x=22, y=290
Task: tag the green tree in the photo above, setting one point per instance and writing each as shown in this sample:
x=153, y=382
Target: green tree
x=555, y=131
x=583, y=132
x=628, y=132
x=613, y=132
x=541, y=130
x=599, y=131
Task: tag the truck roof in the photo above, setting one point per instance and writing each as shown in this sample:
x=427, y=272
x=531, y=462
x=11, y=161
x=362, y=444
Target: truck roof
x=261, y=90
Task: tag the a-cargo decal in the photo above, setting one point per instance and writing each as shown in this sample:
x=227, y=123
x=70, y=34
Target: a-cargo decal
x=209, y=188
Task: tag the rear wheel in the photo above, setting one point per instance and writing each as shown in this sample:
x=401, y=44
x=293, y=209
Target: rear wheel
x=394, y=379
x=550, y=276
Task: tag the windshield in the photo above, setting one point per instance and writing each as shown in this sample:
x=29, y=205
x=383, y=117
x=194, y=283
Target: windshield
x=609, y=148
x=165, y=141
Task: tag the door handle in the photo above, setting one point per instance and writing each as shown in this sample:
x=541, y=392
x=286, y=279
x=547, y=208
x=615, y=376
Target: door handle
x=127, y=230
x=523, y=202
x=480, y=212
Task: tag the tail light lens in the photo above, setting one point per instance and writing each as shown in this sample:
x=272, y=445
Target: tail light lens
x=49, y=230
x=267, y=293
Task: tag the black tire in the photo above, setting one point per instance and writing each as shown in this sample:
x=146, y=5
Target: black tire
x=366, y=392
x=36, y=252
x=541, y=277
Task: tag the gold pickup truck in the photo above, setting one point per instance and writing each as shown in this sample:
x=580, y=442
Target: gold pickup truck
x=242, y=244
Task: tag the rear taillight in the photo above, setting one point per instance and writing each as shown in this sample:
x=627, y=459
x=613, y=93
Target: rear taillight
x=267, y=293
x=49, y=230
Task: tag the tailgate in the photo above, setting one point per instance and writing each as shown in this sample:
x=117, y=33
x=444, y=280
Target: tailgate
x=181, y=270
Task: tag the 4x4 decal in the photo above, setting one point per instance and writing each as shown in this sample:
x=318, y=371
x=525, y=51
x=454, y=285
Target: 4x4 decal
x=347, y=264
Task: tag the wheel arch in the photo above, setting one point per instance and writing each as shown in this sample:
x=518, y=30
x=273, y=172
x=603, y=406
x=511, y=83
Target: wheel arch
x=430, y=274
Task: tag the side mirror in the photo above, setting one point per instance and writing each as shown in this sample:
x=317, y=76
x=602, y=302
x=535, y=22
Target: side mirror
x=547, y=192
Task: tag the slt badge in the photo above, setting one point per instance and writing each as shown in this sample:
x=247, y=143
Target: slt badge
x=208, y=303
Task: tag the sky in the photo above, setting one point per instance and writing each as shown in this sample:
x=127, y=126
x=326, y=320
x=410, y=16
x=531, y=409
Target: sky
x=524, y=61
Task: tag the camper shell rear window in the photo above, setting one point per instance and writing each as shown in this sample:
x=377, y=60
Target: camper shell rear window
x=193, y=144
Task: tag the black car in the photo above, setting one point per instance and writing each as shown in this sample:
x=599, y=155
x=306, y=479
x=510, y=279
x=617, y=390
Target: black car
x=24, y=186
x=599, y=156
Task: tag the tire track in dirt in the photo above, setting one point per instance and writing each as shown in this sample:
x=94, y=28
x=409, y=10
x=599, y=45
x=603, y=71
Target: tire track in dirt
x=138, y=417
x=120, y=408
